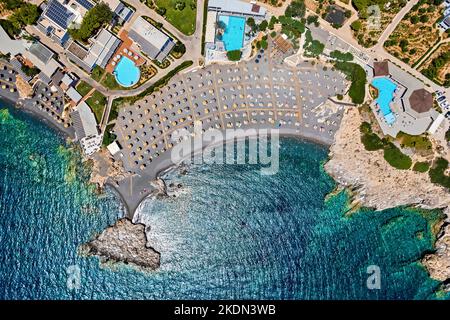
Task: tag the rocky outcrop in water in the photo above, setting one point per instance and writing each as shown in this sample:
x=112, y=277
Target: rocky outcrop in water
x=124, y=242
x=374, y=183
x=438, y=263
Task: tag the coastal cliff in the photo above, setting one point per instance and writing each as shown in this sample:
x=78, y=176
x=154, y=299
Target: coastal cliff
x=376, y=184
x=123, y=242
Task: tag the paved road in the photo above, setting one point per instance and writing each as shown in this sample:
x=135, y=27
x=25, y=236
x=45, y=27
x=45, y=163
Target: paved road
x=391, y=27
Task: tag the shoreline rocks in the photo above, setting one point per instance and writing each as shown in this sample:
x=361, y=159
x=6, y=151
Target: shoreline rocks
x=375, y=184
x=124, y=242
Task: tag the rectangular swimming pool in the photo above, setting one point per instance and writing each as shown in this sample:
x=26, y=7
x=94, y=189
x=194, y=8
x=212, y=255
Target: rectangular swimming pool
x=386, y=88
x=233, y=36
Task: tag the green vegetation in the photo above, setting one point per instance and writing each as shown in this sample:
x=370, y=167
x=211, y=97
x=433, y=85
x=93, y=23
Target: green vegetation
x=356, y=74
x=421, y=166
x=392, y=154
x=93, y=20
x=437, y=173
x=108, y=136
x=83, y=88
x=234, y=55
x=178, y=50
x=30, y=71
x=296, y=9
x=97, y=102
x=313, y=48
x=293, y=28
x=313, y=19
x=341, y=56
x=156, y=86
x=182, y=14
x=97, y=73
x=24, y=14
x=109, y=81
x=272, y=22
x=395, y=157
x=432, y=71
x=205, y=18
x=356, y=25
x=420, y=143
x=263, y=25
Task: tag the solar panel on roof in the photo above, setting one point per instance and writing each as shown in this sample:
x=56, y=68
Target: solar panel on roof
x=59, y=14
x=86, y=4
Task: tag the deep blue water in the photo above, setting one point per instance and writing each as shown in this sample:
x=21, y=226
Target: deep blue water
x=232, y=233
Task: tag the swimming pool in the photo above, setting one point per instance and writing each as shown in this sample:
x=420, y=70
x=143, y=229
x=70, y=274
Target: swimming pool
x=386, y=88
x=126, y=72
x=233, y=37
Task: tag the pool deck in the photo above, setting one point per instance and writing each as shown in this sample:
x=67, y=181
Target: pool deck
x=127, y=43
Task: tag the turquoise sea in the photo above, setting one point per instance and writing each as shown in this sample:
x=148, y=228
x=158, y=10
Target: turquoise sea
x=230, y=234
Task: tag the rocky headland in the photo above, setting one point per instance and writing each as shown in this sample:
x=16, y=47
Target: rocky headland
x=124, y=242
x=376, y=184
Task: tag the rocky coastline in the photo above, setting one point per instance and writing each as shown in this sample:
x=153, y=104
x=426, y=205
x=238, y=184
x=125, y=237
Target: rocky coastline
x=375, y=184
x=124, y=242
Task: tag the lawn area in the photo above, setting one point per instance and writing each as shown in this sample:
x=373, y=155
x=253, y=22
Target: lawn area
x=97, y=73
x=97, y=102
x=83, y=88
x=109, y=81
x=181, y=14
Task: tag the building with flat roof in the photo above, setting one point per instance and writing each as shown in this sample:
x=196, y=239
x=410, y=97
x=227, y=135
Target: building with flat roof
x=73, y=94
x=237, y=7
x=152, y=41
x=84, y=121
x=99, y=53
x=59, y=15
x=11, y=46
x=43, y=58
x=121, y=12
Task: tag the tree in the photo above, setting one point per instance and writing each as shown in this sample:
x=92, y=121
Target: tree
x=27, y=14
x=312, y=19
x=94, y=19
x=273, y=21
x=263, y=25
x=414, y=19
x=356, y=25
x=424, y=18
x=296, y=9
x=234, y=55
x=251, y=23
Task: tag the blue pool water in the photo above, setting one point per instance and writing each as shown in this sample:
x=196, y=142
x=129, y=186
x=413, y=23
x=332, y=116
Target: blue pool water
x=233, y=37
x=126, y=72
x=386, y=90
x=232, y=233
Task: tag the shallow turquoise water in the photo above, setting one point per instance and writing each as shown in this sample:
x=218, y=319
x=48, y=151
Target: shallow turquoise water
x=232, y=233
x=386, y=89
x=126, y=72
x=233, y=37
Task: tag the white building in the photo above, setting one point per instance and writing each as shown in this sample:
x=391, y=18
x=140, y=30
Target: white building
x=85, y=127
x=99, y=53
x=152, y=41
x=237, y=7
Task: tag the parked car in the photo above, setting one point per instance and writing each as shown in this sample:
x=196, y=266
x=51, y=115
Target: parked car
x=441, y=98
